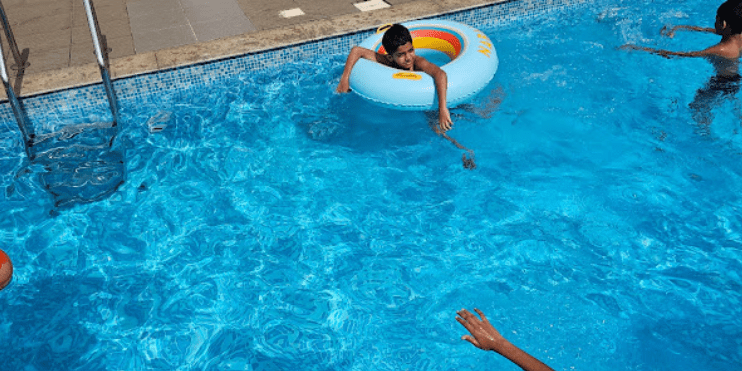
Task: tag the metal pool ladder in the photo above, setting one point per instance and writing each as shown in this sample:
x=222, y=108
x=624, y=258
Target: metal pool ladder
x=10, y=90
x=13, y=92
x=101, y=55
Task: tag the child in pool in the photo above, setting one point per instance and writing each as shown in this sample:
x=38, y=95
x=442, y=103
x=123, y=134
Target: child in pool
x=397, y=42
x=724, y=57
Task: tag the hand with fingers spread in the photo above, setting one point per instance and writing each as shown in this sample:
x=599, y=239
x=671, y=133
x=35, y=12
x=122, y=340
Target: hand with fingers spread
x=485, y=336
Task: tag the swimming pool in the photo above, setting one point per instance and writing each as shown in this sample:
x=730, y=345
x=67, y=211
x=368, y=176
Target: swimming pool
x=269, y=224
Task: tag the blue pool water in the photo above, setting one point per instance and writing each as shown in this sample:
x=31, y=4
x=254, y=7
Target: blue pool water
x=270, y=224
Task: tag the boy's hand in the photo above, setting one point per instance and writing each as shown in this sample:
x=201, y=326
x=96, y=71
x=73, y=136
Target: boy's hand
x=668, y=31
x=444, y=120
x=483, y=335
x=629, y=47
x=343, y=86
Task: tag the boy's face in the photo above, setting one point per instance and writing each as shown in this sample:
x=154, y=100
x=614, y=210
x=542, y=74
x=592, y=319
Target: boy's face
x=404, y=56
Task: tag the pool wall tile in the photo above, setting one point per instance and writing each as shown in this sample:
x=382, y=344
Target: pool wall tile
x=49, y=112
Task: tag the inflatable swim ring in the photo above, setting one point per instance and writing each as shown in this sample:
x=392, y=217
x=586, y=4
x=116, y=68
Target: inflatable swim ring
x=467, y=55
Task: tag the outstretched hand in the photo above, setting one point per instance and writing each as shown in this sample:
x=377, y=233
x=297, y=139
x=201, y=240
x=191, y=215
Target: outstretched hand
x=629, y=47
x=444, y=120
x=483, y=335
x=668, y=31
x=660, y=52
x=343, y=86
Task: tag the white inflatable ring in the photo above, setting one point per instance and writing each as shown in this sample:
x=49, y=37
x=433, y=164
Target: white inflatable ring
x=473, y=63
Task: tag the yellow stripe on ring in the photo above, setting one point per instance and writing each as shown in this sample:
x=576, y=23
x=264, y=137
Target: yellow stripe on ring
x=407, y=76
x=436, y=44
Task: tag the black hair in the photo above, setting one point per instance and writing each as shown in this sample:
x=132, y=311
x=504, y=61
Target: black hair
x=731, y=13
x=396, y=36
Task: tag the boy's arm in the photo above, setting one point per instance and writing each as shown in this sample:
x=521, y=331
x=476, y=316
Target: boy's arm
x=355, y=54
x=717, y=50
x=484, y=336
x=441, y=87
x=670, y=31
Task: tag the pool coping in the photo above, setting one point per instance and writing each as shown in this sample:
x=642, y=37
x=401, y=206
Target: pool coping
x=235, y=46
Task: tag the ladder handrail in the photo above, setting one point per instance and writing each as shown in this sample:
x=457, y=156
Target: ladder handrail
x=15, y=104
x=19, y=62
x=101, y=54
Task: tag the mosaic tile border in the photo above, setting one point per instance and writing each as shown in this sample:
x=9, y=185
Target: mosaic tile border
x=48, y=112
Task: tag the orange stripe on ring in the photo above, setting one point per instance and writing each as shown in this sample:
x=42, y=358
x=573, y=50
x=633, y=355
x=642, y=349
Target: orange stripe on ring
x=438, y=34
x=444, y=36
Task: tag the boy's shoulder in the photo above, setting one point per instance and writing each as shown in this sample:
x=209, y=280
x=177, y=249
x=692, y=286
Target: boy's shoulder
x=731, y=49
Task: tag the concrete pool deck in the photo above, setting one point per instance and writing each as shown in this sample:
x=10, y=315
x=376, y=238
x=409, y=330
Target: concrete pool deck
x=150, y=35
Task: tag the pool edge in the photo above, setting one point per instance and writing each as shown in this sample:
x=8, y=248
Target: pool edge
x=235, y=46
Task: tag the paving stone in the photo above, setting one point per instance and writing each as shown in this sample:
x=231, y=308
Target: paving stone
x=111, y=29
x=43, y=24
x=398, y=2
x=84, y=53
x=155, y=15
x=9, y=58
x=163, y=39
x=46, y=40
x=264, y=15
x=103, y=2
x=322, y=9
x=39, y=13
x=217, y=29
x=47, y=59
x=210, y=10
x=105, y=12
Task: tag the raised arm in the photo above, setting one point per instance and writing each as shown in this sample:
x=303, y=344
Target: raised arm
x=664, y=53
x=720, y=50
x=484, y=336
x=355, y=54
x=441, y=87
x=670, y=31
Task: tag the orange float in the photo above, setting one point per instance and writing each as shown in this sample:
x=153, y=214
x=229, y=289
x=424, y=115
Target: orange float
x=6, y=270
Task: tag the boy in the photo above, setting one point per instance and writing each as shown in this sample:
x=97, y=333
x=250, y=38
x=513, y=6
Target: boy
x=724, y=56
x=397, y=42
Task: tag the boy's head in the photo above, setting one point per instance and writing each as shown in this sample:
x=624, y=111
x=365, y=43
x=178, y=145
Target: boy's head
x=394, y=37
x=397, y=42
x=729, y=17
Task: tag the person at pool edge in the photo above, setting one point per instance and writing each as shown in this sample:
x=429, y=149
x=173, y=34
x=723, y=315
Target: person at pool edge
x=723, y=56
x=484, y=336
x=397, y=42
